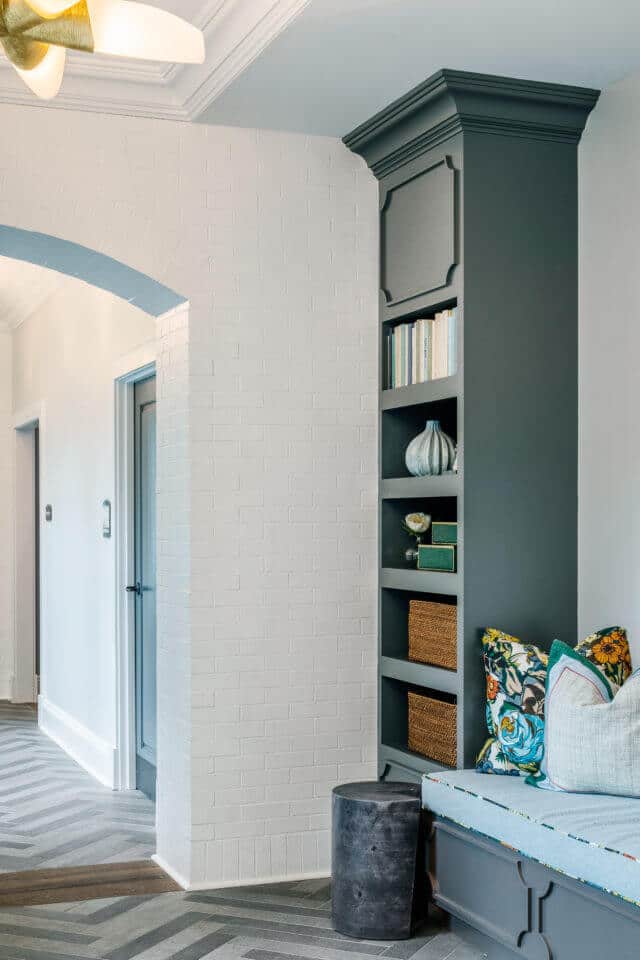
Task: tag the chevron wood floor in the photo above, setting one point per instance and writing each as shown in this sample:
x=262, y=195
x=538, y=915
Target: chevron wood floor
x=91, y=882
x=53, y=813
x=279, y=922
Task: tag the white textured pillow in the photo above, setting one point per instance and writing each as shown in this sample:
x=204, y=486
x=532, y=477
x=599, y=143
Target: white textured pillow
x=592, y=728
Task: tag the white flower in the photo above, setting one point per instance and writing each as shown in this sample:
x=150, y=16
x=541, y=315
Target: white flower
x=417, y=522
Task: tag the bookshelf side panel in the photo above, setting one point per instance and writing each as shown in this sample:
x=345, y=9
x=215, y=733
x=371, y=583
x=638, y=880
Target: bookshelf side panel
x=521, y=399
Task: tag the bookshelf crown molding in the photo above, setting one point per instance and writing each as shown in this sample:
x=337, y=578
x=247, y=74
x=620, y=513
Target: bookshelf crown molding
x=236, y=32
x=454, y=101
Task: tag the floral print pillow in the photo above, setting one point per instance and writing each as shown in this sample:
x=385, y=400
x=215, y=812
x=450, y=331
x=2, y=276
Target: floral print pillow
x=609, y=651
x=492, y=759
x=516, y=674
x=516, y=677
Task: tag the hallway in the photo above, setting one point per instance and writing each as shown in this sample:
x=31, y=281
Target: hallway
x=53, y=813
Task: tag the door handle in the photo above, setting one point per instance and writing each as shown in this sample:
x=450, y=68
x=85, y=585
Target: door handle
x=137, y=589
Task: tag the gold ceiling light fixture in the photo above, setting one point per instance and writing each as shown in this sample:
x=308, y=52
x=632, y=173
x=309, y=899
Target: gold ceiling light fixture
x=36, y=35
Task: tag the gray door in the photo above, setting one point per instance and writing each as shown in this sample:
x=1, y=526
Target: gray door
x=145, y=590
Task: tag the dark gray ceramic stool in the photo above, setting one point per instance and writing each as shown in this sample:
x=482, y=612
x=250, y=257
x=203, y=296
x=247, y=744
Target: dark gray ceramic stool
x=379, y=879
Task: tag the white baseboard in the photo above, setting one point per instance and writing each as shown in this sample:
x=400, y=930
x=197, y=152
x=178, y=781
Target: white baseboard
x=91, y=752
x=6, y=686
x=180, y=880
x=228, y=884
x=27, y=693
x=258, y=882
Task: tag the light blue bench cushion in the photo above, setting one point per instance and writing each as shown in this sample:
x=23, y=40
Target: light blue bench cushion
x=595, y=839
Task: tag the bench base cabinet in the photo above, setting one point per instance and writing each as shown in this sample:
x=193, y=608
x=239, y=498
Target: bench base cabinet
x=510, y=906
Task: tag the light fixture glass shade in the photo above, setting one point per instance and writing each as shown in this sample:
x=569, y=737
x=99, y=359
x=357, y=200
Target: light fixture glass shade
x=51, y=8
x=124, y=28
x=35, y=34
x=46, y=79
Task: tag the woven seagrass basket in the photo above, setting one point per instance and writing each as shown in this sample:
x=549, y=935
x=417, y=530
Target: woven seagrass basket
x=433, y=728
x=433, y=633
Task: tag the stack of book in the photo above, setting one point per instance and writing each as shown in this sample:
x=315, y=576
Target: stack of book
x=421, y=350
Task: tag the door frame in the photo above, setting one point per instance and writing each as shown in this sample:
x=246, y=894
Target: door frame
x=124, y=526
x=25, y=588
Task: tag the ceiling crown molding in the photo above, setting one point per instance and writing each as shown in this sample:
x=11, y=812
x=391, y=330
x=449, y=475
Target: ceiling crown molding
x=236, y=32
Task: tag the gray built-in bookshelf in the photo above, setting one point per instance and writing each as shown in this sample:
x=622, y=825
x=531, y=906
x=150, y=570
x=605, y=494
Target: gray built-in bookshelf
x=479, y=211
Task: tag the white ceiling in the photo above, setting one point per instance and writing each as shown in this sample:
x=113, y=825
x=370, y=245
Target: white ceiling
x=24, y=287
x=323, y=66
x=342, y=60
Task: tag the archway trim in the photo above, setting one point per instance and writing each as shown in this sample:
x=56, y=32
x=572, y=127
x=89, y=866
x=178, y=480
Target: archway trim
x=94, y=268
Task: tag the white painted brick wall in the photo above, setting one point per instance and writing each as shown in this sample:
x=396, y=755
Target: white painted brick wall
x=6, y=518
x=284, y=667
x=174, y=588
x=273, y=238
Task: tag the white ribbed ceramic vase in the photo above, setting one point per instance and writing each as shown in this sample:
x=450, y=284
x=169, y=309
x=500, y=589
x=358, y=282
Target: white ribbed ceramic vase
x=432, y=452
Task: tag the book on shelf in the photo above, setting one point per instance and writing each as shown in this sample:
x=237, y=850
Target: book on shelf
x=421, y=350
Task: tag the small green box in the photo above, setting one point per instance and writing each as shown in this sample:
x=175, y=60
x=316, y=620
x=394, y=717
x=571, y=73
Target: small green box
x=444, y=533
x=441, y=557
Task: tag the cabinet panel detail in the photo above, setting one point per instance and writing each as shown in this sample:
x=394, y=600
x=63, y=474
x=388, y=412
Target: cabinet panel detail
x=418, y=233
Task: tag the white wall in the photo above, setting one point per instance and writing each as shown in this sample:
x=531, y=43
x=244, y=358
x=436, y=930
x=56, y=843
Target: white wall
x=270, y=608
x=64, y=359
x=609, y=504
x=6, y=518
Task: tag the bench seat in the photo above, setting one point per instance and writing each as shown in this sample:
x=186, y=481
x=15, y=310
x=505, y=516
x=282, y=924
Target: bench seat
x=593, y=839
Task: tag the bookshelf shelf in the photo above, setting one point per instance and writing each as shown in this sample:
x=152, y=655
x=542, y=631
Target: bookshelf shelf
x=429, y=392
x=469, y=223
x=402, y=488
x=420, y=674
x=397, y=755
x=431, y=302
x=419, y=581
